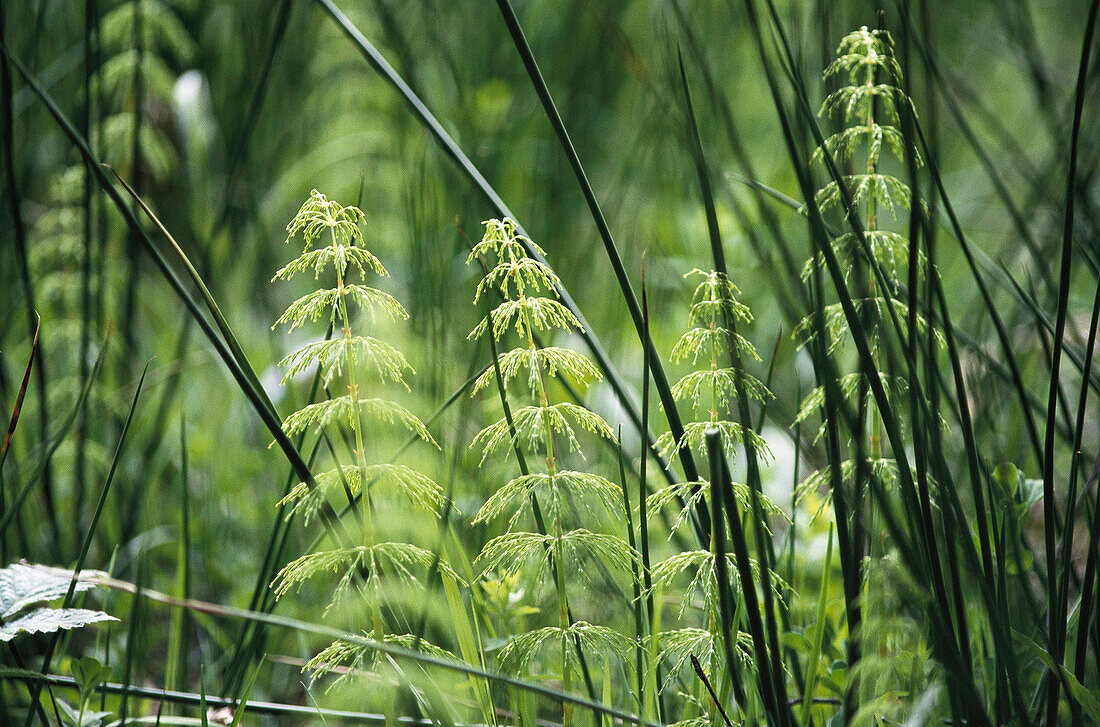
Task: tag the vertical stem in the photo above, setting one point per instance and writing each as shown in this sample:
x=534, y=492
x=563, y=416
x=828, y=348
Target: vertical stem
x=555, y=530
x=357, y=428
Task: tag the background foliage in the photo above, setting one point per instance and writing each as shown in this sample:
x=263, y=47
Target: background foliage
x=695, y=148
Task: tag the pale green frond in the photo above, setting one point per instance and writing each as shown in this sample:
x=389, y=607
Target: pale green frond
x=508, y=553
x=715, y=299
x=713, y=286
x=702, y=720
x=304, y=501
x=338, y=256
x=711, y=343
x=396, y=560
x=310, y=307
x=161, y=30
x=531, y=361
x=858, y=102
x=691, y=493
x=889, y=249
x=610, y=550
x=319, y=216
x=532, y=423
x=417, y=487
x=521, y=649
x=383, y=359
x=594, y=640
x=502, y=241
x=732, y=433
x=590, y=489
x=688, y=493
x=843, y=145
x=515, y=496
x=717, y=311
x=326, y=301
x=405, y=481
x=699, y=386
x=679, y=645
x=523, y=275
x=882, y=469
x=882, y=189
x=66, y=189
x=848, y=384
x=542, y=314
x=346, y=658
x=342, y=409
x=836, y=322
x=862, y=54
x=60, y=232
x=115, y=79
x=375, y=300
x=118, y=144
x=699, y=567
x=666, y=445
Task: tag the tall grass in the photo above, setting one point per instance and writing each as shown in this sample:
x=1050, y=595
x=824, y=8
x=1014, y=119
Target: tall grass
x=914, y=542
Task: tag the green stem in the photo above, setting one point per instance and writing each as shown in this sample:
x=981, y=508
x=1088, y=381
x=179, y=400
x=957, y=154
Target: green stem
x=357, y=429
x=556, y=532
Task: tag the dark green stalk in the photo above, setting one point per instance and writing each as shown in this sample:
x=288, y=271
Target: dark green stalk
x=455, y=153
x=643, y=491
x=86, y=545
x=90, y=15
x=1088, y=586
x=916, y=225
x=133, y=248
x=771, y=221
x=15, y=505
x=848, y=516
x=1000, y=188
x=917, y=560
x=765, y=547
x=1057, y=622
x=19, y=236
x=722, y=498
x=177, y=657
x=239, y=367
x=1065, y=545
x=17, y=409
x=700, y=521
x=635, y=581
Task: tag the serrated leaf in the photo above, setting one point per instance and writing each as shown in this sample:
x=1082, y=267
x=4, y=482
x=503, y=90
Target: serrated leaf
x=23, y=585
x=48, y=620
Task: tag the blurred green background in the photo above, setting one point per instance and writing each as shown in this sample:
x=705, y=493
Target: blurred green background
x=244, y=107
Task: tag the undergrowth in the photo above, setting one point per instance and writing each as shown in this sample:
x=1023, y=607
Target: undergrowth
x=914, y=541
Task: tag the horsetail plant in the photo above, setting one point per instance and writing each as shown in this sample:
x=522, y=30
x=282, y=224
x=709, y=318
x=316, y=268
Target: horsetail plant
x=557, y=497
x=333, y=244
x=711, y=391
x=869, y=106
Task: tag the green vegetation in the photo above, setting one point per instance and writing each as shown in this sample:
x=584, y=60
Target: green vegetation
x=652, y=468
